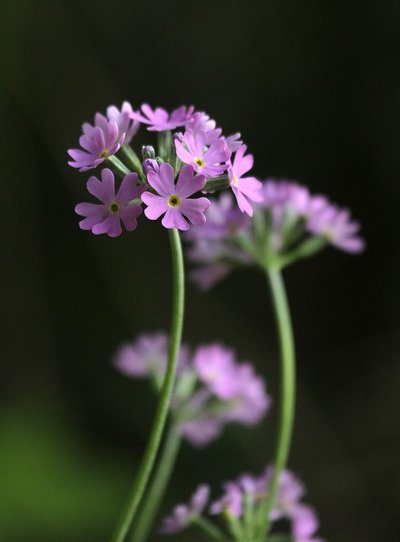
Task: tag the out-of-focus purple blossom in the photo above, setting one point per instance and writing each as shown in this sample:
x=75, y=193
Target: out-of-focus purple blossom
x=183, y=514
x=201, y=122
x=147, y=355
x=304, y=523
x=231, y=502
x=114, y=208
x=208, y=161
x=99, y=142
x=336, y=224
x=123, y=120
x=202, y=430
x=159, y=119
x=290, y=491
x=215, y=366
x=245, y=189
x=174, y=200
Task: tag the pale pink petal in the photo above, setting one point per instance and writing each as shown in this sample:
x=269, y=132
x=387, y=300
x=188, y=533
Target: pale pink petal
x=111, y=226
x=187, y=183
x=250, y=187
x=173, y=219
x=156, y=205
x=183, y=154
x=243, y=204
x=129, y=216
x=128, y=189
x=194, y=209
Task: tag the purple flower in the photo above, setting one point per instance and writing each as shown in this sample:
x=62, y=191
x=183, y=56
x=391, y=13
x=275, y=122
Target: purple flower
x=336, y=224
x=290, y=492
x=191, y=149
x=231, y=502
x=123, y=120
x=244, y=188
x=304, y=523
x=183, y=514
x=114, y=208
x=202, y=430
x=159, y=119
x=99, y=142
x=147, y=355
x=234, y=142
x=215, y=366
x=173, y=200
x=201, y=122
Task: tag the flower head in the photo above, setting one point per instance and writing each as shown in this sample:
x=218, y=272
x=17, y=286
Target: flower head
x=244, y=188
x=123, y=120
x=335, y=224
x=99, y=142
x=183, y=514
x=174, y=201
x=159, y=119
x=115, y=207
x=209, y=161
x=231, y=502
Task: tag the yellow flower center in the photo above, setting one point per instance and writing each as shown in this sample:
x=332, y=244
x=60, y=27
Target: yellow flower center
x=199, y=161
x=104, y=153
x=113, y=207
x=174, y=200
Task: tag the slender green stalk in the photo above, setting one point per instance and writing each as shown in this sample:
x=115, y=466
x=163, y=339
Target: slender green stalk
x=159, y=483
x=287, y=395
x=118, y=166
x=166, y=391
x=212, y=530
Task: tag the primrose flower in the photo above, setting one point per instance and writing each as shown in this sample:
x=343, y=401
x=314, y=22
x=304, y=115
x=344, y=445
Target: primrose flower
x=304, y=523
x=336, y=225
x=183, y=514
x=173, y=200
x=159, y=119
x=191, y=149
x=99, y=142
x=123, y=120
x=115, y=207
x=215, y=366
x=201, y=122
x=231, y=503
x=244, y=188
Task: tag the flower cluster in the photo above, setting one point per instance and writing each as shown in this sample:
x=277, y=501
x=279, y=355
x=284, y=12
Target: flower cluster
x=241, y=503
x=289, y=223
x=187, y=163
x=212, y=388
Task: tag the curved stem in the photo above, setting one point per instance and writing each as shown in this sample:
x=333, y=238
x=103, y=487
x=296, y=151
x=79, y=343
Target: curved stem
x=287, y=395
x=159, y=483
x=166, y=391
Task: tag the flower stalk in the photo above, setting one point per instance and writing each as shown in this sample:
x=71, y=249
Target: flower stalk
x=160, y=419
x=287, y=395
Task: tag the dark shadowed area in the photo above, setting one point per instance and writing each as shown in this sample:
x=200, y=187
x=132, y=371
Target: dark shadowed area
x=314, y=88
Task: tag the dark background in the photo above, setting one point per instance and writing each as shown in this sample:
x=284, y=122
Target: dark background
x=314, y=88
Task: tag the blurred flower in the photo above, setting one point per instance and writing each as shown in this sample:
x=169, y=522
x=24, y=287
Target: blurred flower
x=173, y=200
x=99, y=142
x=114, y=208
x=183, y=514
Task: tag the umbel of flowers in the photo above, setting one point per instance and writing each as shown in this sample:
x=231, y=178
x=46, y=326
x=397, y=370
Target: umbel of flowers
x=238, y=510
x=191, y=157
x=212, y=389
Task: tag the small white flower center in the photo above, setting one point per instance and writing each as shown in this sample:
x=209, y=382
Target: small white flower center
x=174, y=200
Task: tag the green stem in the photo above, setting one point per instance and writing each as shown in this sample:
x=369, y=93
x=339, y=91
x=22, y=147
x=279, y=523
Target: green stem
x=133, y=160
x=287, y=395
x=117, y=166
x=166, y=391
x=159, y=483
x=209, y=528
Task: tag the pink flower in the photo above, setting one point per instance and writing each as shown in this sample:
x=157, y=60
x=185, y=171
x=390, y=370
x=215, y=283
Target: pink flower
x=114, y=208
x=123, y=120
x=99, y=142
x=244, y=188
x=160, y=120
x=191, y=149
x=173, y=200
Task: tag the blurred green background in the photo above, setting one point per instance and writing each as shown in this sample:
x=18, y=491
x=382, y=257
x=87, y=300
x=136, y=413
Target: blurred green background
x=314, y=88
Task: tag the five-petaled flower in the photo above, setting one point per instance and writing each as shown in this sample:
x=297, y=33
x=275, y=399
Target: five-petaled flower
x=160, y=120
x=115, y=207
x=173, y=200
x=192, y=149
